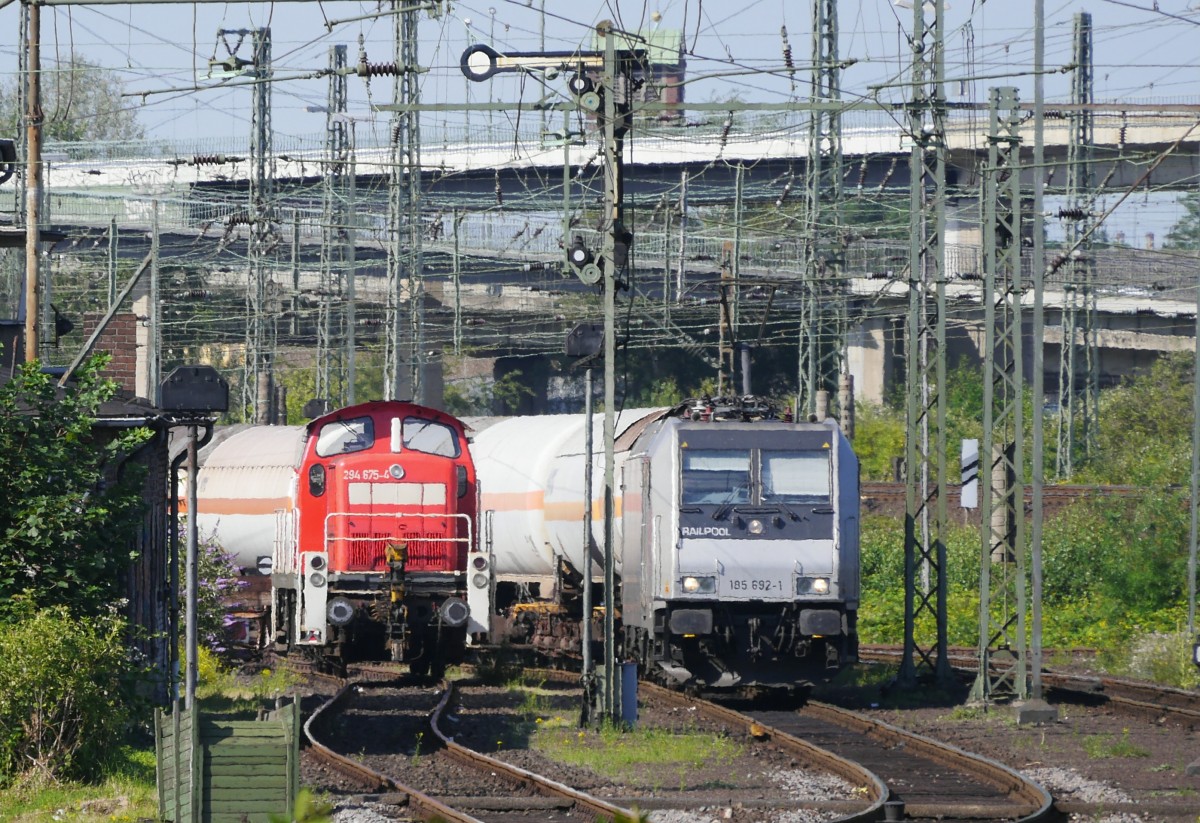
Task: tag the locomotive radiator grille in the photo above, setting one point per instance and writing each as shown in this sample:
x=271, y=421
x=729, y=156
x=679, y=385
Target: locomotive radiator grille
x=366, y=552
x=432, y=544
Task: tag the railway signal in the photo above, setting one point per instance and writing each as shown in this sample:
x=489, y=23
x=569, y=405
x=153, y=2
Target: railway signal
x=595, y=83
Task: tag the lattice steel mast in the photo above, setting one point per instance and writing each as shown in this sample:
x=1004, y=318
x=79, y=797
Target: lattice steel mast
x=406, y=292
x=257, y=387
x=822, y=318
x=1002, y=604
x=335, y=322
x=1078, y=383
x=925, y=377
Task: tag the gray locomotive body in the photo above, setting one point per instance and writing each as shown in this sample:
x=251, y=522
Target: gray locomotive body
x=740, y=551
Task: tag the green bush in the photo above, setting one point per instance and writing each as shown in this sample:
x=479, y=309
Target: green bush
x=65, y=699
x=68, y=501
x=1164, y=657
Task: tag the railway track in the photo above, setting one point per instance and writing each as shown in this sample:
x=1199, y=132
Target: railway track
x=901, y=775
x=1054, y=496
x=409, y=750
x=911, y=777
x=1159, y=704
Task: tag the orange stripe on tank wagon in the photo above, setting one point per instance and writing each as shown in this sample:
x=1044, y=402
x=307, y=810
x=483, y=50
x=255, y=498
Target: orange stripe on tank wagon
x=512, y=501
x=241, y=505
x=535, y=501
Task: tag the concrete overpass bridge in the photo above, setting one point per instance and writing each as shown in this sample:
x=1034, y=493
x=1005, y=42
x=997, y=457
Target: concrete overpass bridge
x=495, y=207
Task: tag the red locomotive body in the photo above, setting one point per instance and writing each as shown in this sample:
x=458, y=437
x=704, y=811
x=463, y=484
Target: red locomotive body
x=373, y=555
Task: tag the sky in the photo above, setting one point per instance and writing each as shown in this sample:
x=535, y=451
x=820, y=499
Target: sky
x=1140, y=54
x=733, y=48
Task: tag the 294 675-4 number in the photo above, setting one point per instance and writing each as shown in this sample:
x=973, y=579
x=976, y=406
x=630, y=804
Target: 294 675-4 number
x=756, y=585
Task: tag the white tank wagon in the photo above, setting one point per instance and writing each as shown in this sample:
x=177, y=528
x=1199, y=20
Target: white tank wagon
x=532, y=499
x=736, y=542
x=248, y=474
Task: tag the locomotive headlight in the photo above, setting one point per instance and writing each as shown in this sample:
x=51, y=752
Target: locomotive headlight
x=317, y=579
x=755, y=527
x=699, y=585
x=812, y=585
x=479, y=581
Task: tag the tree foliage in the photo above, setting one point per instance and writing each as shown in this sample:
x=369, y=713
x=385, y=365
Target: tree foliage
x=67, y=507
x=1145, y=429
x=1185, y=234
x=81, y=100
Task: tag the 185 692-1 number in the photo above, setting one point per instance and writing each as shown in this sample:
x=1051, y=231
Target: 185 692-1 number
x=756, y=585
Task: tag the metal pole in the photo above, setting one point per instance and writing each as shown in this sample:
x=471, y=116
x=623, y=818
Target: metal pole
x=33, y=185
x=457, y=273
x=735, y=262
x=1195, y=533
x=351, y=270
x=586, y=628
x=566, y=183
x=666, y=264
x=683, y=204
x=154, y=356
x=1039, y=272
x=112, y=261
x=612, y=216
x=295, y=301
x=925, y=447
x=542, y=48
x=192, y=574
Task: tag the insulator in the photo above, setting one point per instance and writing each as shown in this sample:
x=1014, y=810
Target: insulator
x=396, y=134
x=240, y=219
x=209, y=160
x=499, y=193
x=787, y=49
x=725, y=129
x=787, y=189
x=366, y=69
x=1073, y=213
x=198, y=294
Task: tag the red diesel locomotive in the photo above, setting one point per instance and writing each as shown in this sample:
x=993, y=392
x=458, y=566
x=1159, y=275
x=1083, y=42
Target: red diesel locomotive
x=368, y=547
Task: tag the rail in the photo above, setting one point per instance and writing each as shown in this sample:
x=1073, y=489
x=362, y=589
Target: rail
x=475, y=759
x=426, y=806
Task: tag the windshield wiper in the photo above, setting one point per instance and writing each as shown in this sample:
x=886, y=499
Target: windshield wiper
x=782, y=506
x=722, y=511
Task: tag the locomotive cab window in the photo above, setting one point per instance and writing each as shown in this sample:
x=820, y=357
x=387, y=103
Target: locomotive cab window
x=712, y=476
x=796, y=477
x=345, y=437
x=720, y=477
x=430, y=437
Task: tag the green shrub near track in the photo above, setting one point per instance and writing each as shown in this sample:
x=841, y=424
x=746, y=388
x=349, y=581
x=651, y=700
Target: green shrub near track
x=66, y=697
x=1115, y=568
